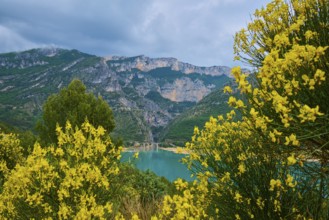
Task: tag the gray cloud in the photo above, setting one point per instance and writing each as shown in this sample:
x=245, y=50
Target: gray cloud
x=198, y=32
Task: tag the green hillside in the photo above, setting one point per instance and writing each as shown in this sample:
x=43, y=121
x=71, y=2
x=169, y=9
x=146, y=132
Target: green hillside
x=181, y=128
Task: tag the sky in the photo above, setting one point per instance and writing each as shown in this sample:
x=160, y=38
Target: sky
x=199, y=32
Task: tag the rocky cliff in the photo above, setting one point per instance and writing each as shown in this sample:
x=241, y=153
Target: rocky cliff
x=144, y=93
x=146, y=64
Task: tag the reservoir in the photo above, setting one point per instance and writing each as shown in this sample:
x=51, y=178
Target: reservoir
x=161, y=162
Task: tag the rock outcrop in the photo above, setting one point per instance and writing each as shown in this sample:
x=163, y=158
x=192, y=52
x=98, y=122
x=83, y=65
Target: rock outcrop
x=146, y=64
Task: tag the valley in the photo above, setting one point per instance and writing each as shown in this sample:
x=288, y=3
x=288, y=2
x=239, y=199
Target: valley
x=151, y=98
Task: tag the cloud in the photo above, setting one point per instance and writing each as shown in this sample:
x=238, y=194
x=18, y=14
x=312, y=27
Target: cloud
x=198, y=32
x=11, y=41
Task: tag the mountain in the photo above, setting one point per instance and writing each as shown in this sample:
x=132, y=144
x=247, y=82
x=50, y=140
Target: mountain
x=180, y=129
x=146, y=94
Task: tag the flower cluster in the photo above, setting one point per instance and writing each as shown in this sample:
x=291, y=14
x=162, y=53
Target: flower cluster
x=191, y=203
x=11, y=153
x=69, y=179
x=287, y=44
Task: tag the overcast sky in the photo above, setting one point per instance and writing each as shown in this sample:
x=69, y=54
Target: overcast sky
x=199, y=32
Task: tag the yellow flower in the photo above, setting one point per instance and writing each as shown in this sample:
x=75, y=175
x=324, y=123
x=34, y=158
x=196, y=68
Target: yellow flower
x=272, y=136
x=306, y=79
x=135, y=217
x=238, y=197
x=180, y=184
x=290, y=182
x=274, y=183
x=260, y=202
x=319, y=75
x=277, y=205
x=196, y=130
x=227, y=89
x=231, y=101
x=240, y=104
x=217, y=156
x=59, y=152
x=236, y=71
x=311, y=84
x=292, y=139
x=253, y=112
x=291, y=160
x=242, y=157
x=226, y=177
x=309, y=114
x=242, y=168
x=309, y=35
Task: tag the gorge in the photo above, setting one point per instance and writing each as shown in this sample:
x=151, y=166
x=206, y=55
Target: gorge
x=145, y=94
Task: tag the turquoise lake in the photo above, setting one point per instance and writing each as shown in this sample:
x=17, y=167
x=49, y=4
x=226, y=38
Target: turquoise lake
x=163, y=163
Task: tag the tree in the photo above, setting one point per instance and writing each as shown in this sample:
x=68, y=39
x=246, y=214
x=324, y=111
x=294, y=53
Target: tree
x=73, y=104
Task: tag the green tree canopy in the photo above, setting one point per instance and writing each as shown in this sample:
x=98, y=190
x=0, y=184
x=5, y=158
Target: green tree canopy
x=73, y=104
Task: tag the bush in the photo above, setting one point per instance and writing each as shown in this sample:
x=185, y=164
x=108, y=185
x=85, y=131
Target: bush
x=274, y=162
x=142, y=192
x=70, y=179
x=11, y=153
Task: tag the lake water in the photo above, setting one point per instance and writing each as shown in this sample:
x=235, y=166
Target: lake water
x=163, y=163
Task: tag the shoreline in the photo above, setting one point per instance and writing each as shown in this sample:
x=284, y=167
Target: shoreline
x=176, y=150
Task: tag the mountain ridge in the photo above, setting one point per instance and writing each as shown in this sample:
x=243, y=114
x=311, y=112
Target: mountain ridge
x=145, y=63
x=144, y=93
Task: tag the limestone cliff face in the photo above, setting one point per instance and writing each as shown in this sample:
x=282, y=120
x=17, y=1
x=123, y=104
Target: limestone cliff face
x=184, y=89
x=146, y=64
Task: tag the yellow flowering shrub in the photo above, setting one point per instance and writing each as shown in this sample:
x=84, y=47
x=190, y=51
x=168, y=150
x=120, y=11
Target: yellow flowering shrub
x=273, y=163
x=244, y=179
x=287, y=43
x=11, y=153
x=71, y=179
x=190, y=203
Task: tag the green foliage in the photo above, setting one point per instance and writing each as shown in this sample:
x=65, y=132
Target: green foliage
x=165, y=74
x=157, y=98
x=75, y=105
x=181, y=128
x=173, y=107
x=218, y=81
x=139, y=192
x=6, y=128
x=29, y=77
x=129, y=125
x=26, y=138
